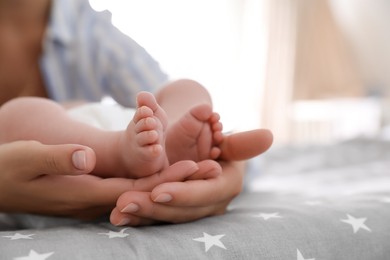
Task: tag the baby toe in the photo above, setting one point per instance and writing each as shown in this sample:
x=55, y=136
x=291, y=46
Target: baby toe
x=146, y=124
x=147, y=137
x=141, y=113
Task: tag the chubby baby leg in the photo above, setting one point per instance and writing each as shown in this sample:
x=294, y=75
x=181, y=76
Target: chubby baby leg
x=135, y=152
x=32, y=118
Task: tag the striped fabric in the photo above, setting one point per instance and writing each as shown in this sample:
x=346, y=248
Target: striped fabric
x=86, y=57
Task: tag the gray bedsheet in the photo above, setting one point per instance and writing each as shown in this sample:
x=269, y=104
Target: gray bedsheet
x=260, y=224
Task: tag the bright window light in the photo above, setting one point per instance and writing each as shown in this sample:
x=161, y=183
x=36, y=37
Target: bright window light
x=203, y=40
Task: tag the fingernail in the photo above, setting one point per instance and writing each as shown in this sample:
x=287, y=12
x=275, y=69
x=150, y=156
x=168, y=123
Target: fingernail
x=130, y=208
x=163, y=197
x=123, y=222
x=79, y=159
x=193, y=169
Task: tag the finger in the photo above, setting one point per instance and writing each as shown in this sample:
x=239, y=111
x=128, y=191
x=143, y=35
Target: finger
x=30, y=159
x=72, y=193
x=121, y=219
x=245, y=145
x=97, y=191
x=106, y=191
x=207, y=169
x=67, y=159
x=91, y=191
x=202, y=192
x=121, y=214
x=79, y=196
x=136, y=208
x=160, y=214
x=193, y=192
x=176, y=172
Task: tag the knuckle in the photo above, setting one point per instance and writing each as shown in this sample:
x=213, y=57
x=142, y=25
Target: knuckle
x=52, y=164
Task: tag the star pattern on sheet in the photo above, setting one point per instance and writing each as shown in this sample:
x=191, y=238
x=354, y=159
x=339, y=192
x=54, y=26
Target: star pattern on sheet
x=267, y=216
x=34, y=256
x=114, y=234
x=300, y=256
x=210, y=241
x=356, y=223
x=17, y=236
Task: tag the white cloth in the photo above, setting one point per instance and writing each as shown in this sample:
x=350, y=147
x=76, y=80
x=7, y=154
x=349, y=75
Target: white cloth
x=108, y=117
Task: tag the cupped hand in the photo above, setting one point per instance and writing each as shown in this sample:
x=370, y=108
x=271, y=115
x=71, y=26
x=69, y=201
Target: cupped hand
x=54, y=180
x=178, y=202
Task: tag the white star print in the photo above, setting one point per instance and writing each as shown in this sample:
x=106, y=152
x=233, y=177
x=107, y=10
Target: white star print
x=356, y=223
x=210, y=241
x=34, y=256
x=113, y=234
x=300, y=256
x=267, y=216
x=19, y=236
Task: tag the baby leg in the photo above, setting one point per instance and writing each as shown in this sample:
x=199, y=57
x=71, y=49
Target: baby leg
x=137, y=151
x=32, y=118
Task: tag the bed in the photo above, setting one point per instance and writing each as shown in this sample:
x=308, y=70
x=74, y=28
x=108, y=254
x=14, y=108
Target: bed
x=300, y=202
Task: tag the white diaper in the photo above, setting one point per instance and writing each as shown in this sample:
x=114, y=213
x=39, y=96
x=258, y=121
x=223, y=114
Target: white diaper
x=104, y=116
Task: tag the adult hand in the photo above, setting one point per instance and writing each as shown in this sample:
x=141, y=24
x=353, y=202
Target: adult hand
x=54, y=180
x=178, y=202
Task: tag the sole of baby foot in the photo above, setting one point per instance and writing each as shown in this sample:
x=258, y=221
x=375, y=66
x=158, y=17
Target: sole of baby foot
x=192, y=136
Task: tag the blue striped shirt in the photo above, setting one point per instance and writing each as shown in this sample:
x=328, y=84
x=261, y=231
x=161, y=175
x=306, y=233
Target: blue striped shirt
x=86, y=57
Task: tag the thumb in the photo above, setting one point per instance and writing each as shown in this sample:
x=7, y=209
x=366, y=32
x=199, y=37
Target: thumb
x=64, y=159
x=245, y=145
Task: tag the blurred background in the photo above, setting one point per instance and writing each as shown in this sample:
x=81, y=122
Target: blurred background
x=311, y=71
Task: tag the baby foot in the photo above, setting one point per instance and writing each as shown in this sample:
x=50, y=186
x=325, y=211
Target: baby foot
x=143, y=142
x=195, y=136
